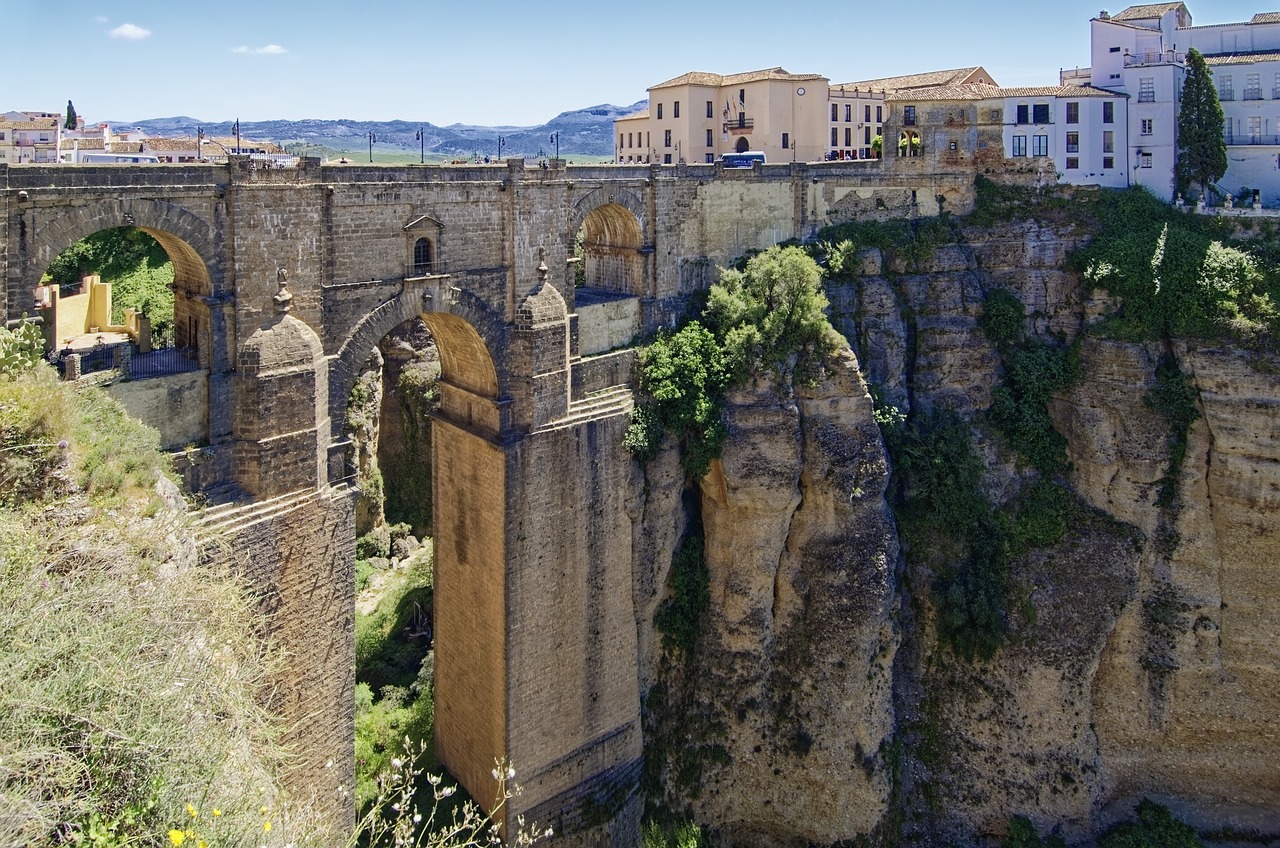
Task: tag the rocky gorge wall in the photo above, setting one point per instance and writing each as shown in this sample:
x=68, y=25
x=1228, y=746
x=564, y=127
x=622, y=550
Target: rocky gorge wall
x=1139, y=658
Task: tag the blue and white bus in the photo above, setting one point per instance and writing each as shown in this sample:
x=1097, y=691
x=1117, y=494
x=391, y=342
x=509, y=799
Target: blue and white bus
x=97, y=158
x=745, y=159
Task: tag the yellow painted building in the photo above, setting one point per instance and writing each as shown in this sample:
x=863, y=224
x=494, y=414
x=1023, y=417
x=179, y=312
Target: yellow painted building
x=698, y=117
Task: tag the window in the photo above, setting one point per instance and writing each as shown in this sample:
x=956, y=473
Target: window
x=1024, y=113
x=1073, y=163
x=666, y=138
x=1073, y=142
x=675, y=109
x=1253, y=87
x=666, y=158
x=835, y=135
x=1073, y=113
x=1039, y=145
x=619, y=141
x=1275, y=90
x=997, y=116
x=1225, y=91
x=1115, y=49
x=659, y=111
x=866, y=110
x=866, y=135
x=848, y=112
x=710, y=139
x=1253, y=126
x=1040, y=113
x=1146, y=126
x=835, y=110
x=879, y=114
x=1108, y=141
x=1108, y=163
x=1147, y=90
x=909, y=116
x=1144, y=160
x=422, y=256
x=710, y=108
x=1019, y=146
x=742, y=96
x=848, y=136
x=710, y=157
x=786, y=140
x=1108, y=112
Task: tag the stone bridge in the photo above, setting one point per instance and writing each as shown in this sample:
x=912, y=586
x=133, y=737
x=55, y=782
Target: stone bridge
x=285, y=281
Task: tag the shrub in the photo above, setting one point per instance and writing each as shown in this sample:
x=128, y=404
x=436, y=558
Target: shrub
x=679, y=618
x=1022, y=834
x=1156, y=827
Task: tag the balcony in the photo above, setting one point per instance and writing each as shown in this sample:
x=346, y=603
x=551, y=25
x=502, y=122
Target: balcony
x=423, y=269
x=1253, y=94
x=1168, y=57
x=1250, y=139
x=742, y=124
x=1146, y=97
x=1225, y=96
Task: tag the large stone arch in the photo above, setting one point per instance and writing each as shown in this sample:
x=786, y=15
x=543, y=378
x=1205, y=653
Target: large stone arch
x=616, y=239
x=190, y=241
x=471, y=339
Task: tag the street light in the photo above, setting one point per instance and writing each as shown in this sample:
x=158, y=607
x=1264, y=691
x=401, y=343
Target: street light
x=501, y=141
x=372, y=139
x=422, y=147
x=555, y=139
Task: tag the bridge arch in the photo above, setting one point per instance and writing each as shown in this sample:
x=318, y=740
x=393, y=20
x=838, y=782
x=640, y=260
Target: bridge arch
x=470, y=337
x=613, y=225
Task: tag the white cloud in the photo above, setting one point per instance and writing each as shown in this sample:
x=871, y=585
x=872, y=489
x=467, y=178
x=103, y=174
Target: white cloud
x=268, y=50
x=129, y=32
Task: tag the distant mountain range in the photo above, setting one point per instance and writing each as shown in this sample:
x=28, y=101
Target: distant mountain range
x=587, y=132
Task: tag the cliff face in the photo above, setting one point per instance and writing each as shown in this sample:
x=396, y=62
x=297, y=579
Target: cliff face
x=1140, y=657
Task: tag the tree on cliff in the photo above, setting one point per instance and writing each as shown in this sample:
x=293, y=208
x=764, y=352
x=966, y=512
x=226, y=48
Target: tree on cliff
x=72, y=120
x=1202, y=150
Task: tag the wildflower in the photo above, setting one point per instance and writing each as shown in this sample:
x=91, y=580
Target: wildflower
x=200, y=843
x=266, y=827
x=216, y=812
x=396, y=763
x=177, y=837
x=264, y=809
x=192, y=811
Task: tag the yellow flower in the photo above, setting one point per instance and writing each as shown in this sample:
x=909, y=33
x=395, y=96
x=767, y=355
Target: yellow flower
x=264, y=809
x=192, y=811
x=266, y=826
x=200, y=843
x=177, y=837
x=216, y=812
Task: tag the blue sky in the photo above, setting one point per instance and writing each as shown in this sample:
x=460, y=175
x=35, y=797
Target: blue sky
x=499, y=63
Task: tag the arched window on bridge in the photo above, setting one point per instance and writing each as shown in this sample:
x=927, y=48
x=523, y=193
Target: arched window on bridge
x=422, y=247
x=423, y=257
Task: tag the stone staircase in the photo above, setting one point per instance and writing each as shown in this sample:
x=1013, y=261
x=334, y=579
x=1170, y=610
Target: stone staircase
x=606, y=403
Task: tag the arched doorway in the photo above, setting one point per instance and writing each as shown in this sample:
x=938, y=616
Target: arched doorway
x=742, y=146
x=610, y=241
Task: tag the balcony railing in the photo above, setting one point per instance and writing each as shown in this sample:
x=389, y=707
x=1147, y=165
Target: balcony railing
x=1226, y=95
x=1253, y=139
x=740, y=124
x=423, y=269
x=1146, y=97
x=1253, y=94
x=1168, y=57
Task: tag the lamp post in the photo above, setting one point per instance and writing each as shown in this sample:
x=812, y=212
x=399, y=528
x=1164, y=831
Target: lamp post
x=501, y=141
x=237, y=131
x=372, y=139
x=555, y=139
x=422, y=147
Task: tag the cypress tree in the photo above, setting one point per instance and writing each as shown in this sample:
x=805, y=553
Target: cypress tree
x=1202, y=150
x=71, y=117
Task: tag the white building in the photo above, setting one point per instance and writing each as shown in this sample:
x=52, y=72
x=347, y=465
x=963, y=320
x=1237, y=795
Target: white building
x=1141, y=51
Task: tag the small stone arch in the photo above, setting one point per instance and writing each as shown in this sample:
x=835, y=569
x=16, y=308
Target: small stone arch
x=614, y=241
x=742, y=146
x=471, y=340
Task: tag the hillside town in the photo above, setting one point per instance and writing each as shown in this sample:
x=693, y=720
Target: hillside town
x=1112, y=123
